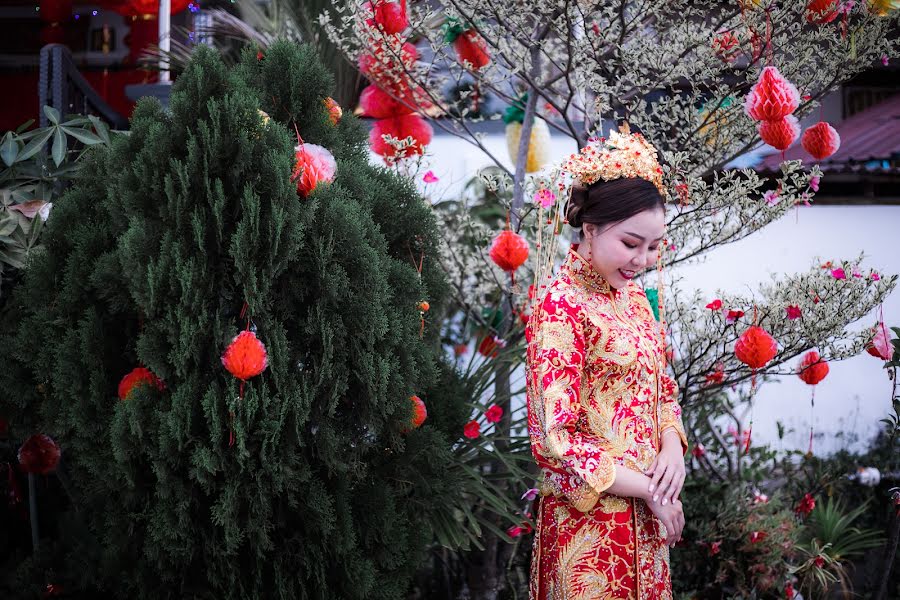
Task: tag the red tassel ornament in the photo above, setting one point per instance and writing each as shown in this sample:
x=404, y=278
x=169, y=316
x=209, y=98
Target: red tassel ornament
x=245, y=356
x=137, y=377
x=39, y=455
x=821, y=140
x=772, y=97
x=779, y=134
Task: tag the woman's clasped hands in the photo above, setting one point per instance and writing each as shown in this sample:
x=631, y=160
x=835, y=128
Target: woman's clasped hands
x=667, y=475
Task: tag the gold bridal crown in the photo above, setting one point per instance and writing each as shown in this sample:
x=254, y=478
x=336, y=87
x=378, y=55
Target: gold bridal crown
x=622, y=155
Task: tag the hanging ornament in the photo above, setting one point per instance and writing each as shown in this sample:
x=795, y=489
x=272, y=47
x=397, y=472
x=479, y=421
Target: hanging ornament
x=772, y=97
x=400, y=128
x=538, y=143
x=423, y=308
x=137, y=377
x=821, y=140
x=755, y=348
x=313, y=165
x=779, y=134
x=378, y=104
x=388, y=16
x=39, y=455
x=820, y=12
x=811, y=371
x=471, y=49
x=509, y=251
x=245, y=356
x=880, y=346
x=334, y=110
x=419, y=412
x=379, y=63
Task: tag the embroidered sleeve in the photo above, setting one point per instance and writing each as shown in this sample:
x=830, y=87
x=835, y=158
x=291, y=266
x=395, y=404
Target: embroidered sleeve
x=670, y=410
x=558, y=362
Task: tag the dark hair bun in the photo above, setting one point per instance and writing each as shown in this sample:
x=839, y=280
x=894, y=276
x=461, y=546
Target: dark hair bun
x=613, y=201
x=575, y=206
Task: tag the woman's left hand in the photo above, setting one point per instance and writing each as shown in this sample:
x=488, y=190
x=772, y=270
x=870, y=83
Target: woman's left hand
x=667, y=471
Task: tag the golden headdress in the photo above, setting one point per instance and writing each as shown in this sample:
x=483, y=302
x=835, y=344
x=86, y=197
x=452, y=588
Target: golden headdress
x=622, y=155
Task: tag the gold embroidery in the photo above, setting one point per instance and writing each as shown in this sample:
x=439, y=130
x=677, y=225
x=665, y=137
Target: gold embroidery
x=558, y=335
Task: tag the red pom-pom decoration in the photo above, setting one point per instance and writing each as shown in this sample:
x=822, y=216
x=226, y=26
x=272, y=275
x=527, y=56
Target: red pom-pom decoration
x=779, y=134
x=402, y=127
x=821, y=140
x=378, y=104
x=772, y=97
x=509, y=250
x=419, y=412
x=245, y=356
x=812, y=368
x=314, y=165
x=472, y=50
x=389, y=16
x=755, y=348
x=137, y=377
x=820, y=12
x=39, y=455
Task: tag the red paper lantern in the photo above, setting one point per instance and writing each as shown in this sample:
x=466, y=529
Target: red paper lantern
x=509, y=250
x=821, y=140
x=772, y=97
x=39, y=455
x=245, y=356
x=378, y=104
x=812, y=368
x=137, y=377
x=389, y=16
x=779, y=134
x=472, y=49
x=820, y=12
x=313, y=165
x=400, y=128
x=419, y=412
x=755, y=348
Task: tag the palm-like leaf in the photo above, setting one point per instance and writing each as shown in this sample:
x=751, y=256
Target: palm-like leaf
x=832, y=527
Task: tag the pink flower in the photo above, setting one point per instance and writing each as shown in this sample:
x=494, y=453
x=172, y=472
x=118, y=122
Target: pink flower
x=884, y=59
x=820, y=561
x=814, y=183
x=857, y=274
x=472, y=430
x=545, y=198
x=530, y=494
x=698, y=450
x=514, y=531
x=771, y=197
x=793, y=312
x=733, y=315
x=714, y=548
x=493, y=414
x=806, y=505
x=430, y=177
x=715, y=305
x=838, y=273
x=874, y=276
x=759, y=498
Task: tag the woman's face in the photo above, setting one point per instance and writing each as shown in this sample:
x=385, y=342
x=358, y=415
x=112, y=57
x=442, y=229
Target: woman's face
x=618, y=252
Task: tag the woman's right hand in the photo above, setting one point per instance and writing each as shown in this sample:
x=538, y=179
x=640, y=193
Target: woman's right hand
x=672, y=517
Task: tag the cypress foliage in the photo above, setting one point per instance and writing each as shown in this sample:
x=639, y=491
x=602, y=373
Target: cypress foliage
x=149, y=261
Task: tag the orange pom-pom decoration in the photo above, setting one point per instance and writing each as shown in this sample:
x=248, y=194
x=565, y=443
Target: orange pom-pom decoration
x=779, y=134
x=755, y=348
x=821, y=140
x=509, y=250
x=400, y=128
x=139, y=376
x=334, y=110
x=424, y=306
x=472, y=50
x=812, y=368
x=245, y=356
x=389, y=16
x=772, y=97
x=820, y=12
x=419, y=412
x=314, y=165
x=39, y=455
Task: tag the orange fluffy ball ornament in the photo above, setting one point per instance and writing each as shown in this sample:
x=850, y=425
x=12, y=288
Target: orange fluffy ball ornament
x=138, y=377
x=245, y=356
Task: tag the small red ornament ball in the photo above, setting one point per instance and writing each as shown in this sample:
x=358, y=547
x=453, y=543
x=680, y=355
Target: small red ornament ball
x=471, y=49
x=137, y=377
x=39, y=455
x=334, y=110
x=420, y=413
x=245, y=356
x=400, y=128
x=821, y=140
x=509, y=250
x=812, y=368
x=755, y=348
x=389, y=16
x=780, y=134
x=820, y=12
x=313, y=164
x=772, y=97
x=378, y=104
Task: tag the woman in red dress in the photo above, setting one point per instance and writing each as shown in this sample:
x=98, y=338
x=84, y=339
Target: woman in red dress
x=603, y=414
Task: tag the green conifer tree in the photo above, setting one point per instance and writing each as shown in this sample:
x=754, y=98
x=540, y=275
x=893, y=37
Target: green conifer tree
x=149, y=261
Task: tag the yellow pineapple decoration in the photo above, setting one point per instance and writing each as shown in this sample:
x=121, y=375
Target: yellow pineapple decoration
x=538, y=145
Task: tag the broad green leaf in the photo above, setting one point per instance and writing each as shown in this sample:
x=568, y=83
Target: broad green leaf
x=34, y=146
x=52, y=114
x=8, y=149
x=100, y=127
x=82, y=135
x=24, y=126
x=12, y=260
x=59, y=146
